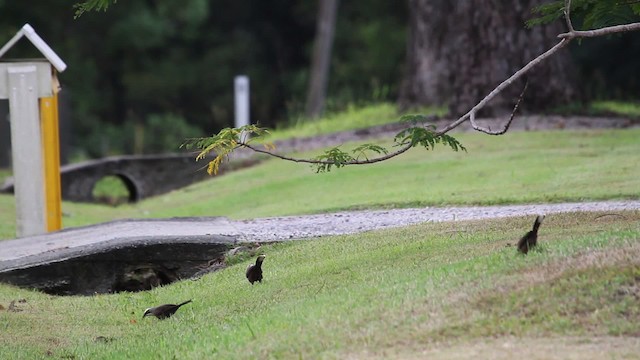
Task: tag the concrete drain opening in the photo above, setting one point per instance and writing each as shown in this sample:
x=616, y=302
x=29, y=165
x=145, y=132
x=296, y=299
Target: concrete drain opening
x=130, y=268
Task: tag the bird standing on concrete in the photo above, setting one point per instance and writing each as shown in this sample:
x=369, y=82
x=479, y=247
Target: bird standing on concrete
x=254, y=271
x=164, y=311
x=530, y=239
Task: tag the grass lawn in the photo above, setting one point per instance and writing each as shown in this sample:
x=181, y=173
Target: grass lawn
x=446, y=290
x=519, y=167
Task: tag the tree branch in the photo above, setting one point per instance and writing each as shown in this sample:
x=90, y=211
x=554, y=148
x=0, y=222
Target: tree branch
x=472, y=117
x=325, y=162
x=503, y=85
x=567, y=15
x=600, y=32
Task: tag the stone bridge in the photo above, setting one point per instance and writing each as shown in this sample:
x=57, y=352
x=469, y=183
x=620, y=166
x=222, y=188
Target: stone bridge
x=143, y=175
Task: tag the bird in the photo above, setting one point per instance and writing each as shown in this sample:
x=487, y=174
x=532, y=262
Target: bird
x=530, y=239
x=163, y=311
x=254, y=271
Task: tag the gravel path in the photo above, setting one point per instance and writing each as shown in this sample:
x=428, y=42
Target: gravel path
x=348, y=222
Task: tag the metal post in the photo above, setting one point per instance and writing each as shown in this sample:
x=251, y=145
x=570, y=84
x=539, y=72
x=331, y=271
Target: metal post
x=51, y=154
x=26, y=152
x=241, y=101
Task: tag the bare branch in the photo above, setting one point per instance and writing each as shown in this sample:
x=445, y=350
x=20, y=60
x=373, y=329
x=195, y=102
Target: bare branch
x=567, y=15
x=600, y=32
x=472, y=117
x=503, y=85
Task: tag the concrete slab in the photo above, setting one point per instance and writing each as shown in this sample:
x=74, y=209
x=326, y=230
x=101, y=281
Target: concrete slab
x=87, y=240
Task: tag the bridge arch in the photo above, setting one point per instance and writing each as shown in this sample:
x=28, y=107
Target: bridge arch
x=123, y=182
x=143, y=175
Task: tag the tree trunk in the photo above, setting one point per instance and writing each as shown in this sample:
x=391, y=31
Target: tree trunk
x=458, y=51
x=325, y=30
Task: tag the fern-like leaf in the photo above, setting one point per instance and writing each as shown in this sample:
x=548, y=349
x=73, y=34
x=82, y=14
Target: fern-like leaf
x=332, y=157
x=362, y=150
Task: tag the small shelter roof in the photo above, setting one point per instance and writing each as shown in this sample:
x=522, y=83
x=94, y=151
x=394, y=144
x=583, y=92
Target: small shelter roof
x=28, y=32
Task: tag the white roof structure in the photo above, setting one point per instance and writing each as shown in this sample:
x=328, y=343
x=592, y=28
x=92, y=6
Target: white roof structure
x=37, y=41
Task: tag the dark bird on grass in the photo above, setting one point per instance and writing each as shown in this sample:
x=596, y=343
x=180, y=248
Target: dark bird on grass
x=164, y=311
x=530, y=239
x=254, y=271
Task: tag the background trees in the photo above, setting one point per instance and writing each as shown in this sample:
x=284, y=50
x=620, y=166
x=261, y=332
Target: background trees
x=175, y=62
x=145, y=74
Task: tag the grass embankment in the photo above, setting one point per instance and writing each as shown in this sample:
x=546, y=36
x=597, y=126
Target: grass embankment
x=351, y=118
x=519, y=167
x=631, y=109
x=436, y=290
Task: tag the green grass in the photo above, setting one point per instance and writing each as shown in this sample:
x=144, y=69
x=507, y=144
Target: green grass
x=350, y=119
x=631, y=109
x=519, y=167
x=111, y=190
x=4, y=173
x=601, y=108
x=379, y=294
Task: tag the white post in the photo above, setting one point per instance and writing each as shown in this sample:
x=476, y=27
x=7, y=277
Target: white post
x=26, y=151
x=241, y=101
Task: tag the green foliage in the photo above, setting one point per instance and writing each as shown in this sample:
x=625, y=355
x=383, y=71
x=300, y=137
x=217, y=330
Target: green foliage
x=224, y=143
x=362, y=150
x=427, y=138
x=90, y=5
x=631, y=109
x=332, y=157
x=158, y=133
x=370, y=42
x=163, y=132
x=111, y=190
x=593, y=13
x=338, y=158
x=424, y=136
x=180, y=57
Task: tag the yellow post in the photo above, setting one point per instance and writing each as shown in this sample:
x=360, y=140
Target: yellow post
x=51, y=156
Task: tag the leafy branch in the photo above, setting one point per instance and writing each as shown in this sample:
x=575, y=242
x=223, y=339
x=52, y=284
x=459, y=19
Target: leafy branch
x=90, y=5
x=228, y=140
x=225, y=142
